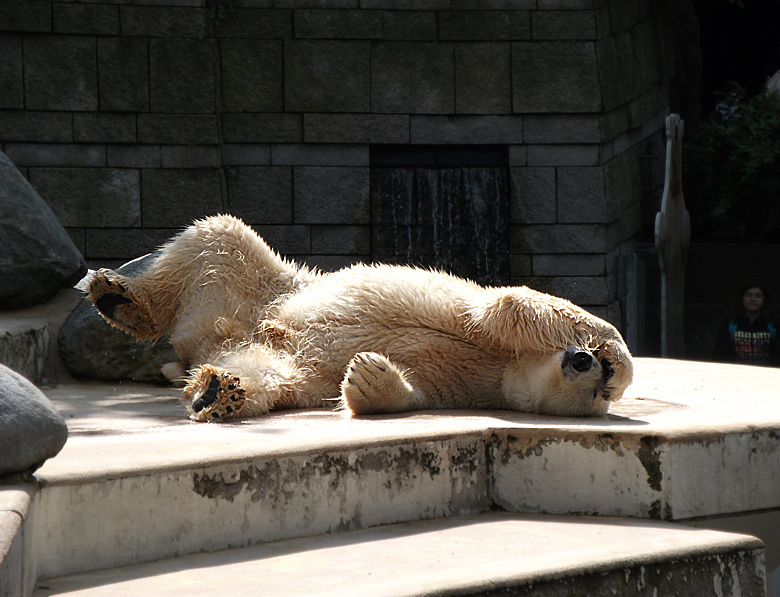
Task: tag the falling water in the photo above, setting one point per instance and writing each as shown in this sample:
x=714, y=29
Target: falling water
x=454, y=219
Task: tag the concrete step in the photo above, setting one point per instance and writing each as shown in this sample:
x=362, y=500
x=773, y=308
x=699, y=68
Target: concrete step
x=24, y=346
x=139, y=483
x=488, y=554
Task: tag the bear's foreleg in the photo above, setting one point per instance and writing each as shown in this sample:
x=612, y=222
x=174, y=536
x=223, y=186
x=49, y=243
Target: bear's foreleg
x=523, y=321
x=246, y=382
x=374, y=385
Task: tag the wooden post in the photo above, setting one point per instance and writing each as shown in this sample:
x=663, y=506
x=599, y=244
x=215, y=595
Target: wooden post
x=672, y=237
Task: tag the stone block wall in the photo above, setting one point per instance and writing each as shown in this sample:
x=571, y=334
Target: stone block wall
x=132, y=117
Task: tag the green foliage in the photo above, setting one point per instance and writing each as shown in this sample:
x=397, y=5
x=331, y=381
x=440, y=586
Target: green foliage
x=733, y=173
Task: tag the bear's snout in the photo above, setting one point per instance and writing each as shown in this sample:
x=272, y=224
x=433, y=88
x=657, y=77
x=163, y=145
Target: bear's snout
x=579, y=360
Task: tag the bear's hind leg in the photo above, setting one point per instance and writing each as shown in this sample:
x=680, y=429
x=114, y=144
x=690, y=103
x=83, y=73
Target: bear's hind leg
x=374, y=385
x=123, y=305
x=214, y=394
x=244, y=382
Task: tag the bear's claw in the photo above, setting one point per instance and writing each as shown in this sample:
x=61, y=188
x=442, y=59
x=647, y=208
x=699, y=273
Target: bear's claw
x=214, y=395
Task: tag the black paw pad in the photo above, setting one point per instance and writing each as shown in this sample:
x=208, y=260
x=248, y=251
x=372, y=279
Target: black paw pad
x=107, y=303
x=208, y=397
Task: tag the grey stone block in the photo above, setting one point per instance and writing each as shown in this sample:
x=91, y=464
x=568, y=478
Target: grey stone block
x=569, y=4
x=581, y=196
x=356, y=128
x=251, y=75
x=561, y=128
x=123, y=243
x=162, y=21
x=555, y=76
x=266, y=23
x=330, y=195
x=326, y=76
x=579, y=290
x=24, y=344
x=520, y=265
x=517, y=155
x=563, y=155
x=11, y=88
x=86, y=19
x=571, y=238
x=338, y=24
x=564, y=24
x=91, y=197
x=133, y=156
x=412, y=77
x=29, y=126
x=319, y=155
x=181, y=76
x=341, y=240
x=533, y=195
x=91, y=348
x=60, y=73
x=613, y=75
x=332, y=263
x=494, y=4
x=622, y=180
x=44, y=154
x=287, y=240
x=483, y=83
x=467, y=129
x=37, y=257
x=407, y=4
x=260, y=195
x=173, y=198
x=31, y=429
x=26, y=15
x=466, y=25
x=234, y=154
x=262, y=128
x=178, y=129
x=189, y=156
x=104, y=127
x=412, y=25
x=569, y=265
x=624, y=16
x=123, y=71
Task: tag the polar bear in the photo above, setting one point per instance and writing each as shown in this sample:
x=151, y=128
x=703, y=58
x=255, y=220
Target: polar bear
x=256, y=332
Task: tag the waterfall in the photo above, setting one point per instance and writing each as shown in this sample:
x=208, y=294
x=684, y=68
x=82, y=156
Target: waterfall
x=451, y=218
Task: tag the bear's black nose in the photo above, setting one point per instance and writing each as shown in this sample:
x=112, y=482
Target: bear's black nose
x=580, y=360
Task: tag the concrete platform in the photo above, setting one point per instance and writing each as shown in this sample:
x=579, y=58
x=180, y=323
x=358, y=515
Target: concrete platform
x=137, y=482
x=488, y=554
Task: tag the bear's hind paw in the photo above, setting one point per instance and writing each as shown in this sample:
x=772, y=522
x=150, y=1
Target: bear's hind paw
x=110, y=294
x=213, y=394
x=374, y=385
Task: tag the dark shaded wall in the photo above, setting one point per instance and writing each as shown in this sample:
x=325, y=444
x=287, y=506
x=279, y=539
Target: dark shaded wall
x=133, y=118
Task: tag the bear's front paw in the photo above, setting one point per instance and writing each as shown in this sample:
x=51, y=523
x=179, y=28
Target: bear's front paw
x=110, y=293
x=373, y=384
x=213, y=394
x=617, y=369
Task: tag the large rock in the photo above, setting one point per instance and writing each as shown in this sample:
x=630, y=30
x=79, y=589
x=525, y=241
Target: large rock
x=31, y=429
x=37, y=257
x=90, y=347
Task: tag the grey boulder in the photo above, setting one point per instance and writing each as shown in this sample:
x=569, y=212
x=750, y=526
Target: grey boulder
x=31, y=429
x=90, y=347
x=37, y=257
